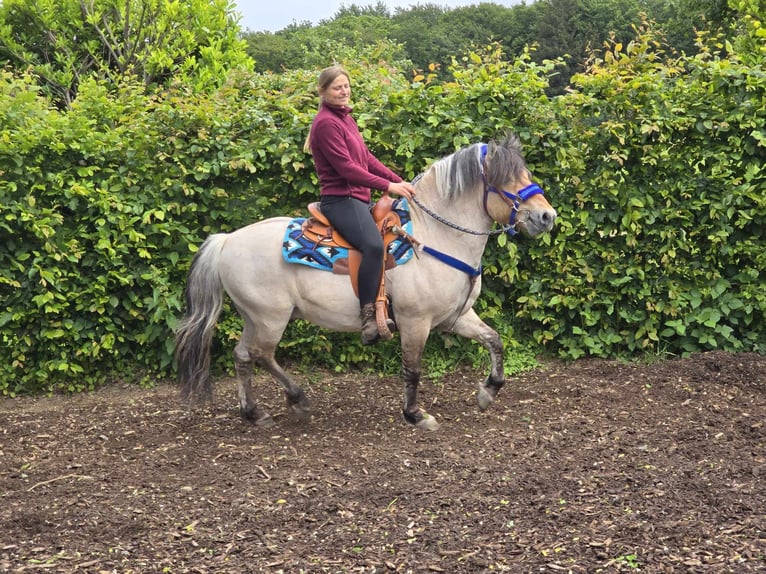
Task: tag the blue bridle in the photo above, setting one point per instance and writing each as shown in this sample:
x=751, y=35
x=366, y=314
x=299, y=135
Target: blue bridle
x=513, y=199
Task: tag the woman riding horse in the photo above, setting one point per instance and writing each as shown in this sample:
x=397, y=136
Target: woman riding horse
x=347, y=170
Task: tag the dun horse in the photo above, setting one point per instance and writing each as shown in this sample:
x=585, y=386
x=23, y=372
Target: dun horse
x=458, y=200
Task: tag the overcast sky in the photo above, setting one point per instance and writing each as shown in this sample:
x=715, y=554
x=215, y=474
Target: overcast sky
x=273, y=15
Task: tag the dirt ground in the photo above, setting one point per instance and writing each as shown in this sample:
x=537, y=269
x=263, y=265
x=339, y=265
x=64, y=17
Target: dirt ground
x=593, y=466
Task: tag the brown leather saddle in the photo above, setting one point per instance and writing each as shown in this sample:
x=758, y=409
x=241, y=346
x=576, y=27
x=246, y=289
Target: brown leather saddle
x=318, y=230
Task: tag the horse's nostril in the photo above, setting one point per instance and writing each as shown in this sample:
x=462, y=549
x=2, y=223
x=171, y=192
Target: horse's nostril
x=549, y=216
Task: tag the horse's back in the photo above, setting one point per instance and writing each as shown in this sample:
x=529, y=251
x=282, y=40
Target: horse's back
x=262, y=238
x=257, y=229
x=252, y=256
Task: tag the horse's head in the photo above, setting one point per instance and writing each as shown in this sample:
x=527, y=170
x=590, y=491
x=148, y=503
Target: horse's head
x=510, y=196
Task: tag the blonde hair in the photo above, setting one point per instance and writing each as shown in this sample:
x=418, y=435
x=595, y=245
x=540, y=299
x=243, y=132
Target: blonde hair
x=326, y=78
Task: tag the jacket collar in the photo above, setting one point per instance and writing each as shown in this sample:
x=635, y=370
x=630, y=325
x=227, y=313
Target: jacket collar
x=341, y=111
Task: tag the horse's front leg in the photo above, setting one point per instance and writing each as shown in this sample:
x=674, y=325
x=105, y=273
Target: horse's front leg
x=412, y=355
x=470, y=326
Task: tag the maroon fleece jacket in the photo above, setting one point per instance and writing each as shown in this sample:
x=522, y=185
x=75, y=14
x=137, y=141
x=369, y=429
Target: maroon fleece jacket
x=343, y=163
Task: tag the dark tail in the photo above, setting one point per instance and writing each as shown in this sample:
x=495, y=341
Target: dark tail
x=194, y=334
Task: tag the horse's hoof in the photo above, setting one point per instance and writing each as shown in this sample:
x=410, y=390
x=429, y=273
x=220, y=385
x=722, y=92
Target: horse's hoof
x=264, y=422
x=257, y=417
x=299, y=407
x=485, y=398
x=428, y=423
x=422, y=420
x=299, y=413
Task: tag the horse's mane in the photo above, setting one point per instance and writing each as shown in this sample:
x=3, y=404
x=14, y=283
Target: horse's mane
x=463, y=170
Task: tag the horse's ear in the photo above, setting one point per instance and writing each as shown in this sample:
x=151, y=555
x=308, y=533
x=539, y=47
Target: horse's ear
x=512, y=142
x=490, y=149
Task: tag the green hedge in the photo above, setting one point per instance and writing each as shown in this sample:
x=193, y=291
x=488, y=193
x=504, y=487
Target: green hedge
x=660, y=247
x=655, y=166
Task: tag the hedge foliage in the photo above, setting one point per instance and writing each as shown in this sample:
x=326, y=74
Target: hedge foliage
x=655, y=165
x=661, y=247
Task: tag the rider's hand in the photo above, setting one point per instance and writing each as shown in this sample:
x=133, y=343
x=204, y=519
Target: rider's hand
x=403, y=188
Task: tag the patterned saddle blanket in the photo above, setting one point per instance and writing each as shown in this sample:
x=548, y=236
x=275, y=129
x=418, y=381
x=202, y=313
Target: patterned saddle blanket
x=297, y=248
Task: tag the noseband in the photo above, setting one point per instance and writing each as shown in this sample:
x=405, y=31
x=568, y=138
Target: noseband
x=514, y=200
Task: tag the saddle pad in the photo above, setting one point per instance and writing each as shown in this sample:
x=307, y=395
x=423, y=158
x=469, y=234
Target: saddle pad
x=297, y=249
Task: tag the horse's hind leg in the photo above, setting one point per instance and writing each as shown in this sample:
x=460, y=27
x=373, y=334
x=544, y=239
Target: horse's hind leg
x=472, y=327
x=248, y=408
x=252, y=350
x=297, y=403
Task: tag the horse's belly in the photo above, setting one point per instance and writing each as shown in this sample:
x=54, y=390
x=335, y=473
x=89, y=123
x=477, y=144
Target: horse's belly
x=326, y=299
x=256, y=276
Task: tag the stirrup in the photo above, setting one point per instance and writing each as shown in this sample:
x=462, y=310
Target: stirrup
x=386, y=325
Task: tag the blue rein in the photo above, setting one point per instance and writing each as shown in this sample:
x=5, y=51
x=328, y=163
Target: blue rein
x=453, y=262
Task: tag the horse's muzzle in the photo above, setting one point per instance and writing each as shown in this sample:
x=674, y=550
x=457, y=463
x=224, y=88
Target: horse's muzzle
x=535, y=222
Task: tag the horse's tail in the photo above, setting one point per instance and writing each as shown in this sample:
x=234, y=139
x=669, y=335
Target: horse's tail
x=194, y=335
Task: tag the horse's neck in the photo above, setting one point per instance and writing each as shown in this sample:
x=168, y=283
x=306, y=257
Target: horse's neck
x=464, y=211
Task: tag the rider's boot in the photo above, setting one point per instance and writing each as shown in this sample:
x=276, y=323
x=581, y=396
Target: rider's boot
x=370, y=332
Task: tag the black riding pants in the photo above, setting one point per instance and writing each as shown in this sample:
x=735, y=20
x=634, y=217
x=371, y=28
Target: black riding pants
x=353, y=220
